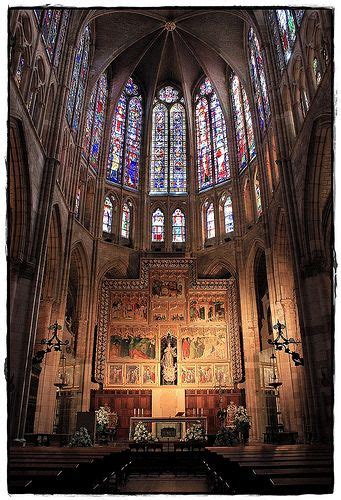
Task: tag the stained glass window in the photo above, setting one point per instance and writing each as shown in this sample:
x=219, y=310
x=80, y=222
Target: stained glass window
x=210, y=224
x=78, y=80
x=20, y=69
x=220, y=150
x=77, y=202
x=178, y=227
x=168, y=94
x=317, y=70
x=168, y=149
x=211, y=138
x=158, y=226
x=246, y=149
x=125, y=230
x=133, y=143
x=123, y=164
x=258, y=196
x=177, y=153
x=258, y=79
x=203, y=134
x=283, y=25
x=107, y=215
x=53, y=30
x=228, y=215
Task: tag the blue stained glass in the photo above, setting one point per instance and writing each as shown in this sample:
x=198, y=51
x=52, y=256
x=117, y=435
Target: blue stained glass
x=206, y=87
x=238, y=116
x=177, y=157
x=299, y=13
x=159, y=160
x=126, y=136
x=220, y=149
x=168, y=94
x=130, y=87
x=98, y=121
x=88, y=123
x=133, y=143
x=178, y=227
x=61, y=37
x=114, y=172
x=78, y=80
x=258, y=79
x=249, y=128
x=204, y=158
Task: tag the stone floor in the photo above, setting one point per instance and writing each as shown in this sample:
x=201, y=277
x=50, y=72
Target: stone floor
x=165, y=483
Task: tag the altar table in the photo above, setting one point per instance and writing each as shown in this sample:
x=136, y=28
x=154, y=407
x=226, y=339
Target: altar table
x=173, y=422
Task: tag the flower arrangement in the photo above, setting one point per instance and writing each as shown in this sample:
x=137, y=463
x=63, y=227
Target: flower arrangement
x=80, y=439
x=242, y=420
x=226, y=436
x=195, y=433
x=141, y=434
x=102, y=419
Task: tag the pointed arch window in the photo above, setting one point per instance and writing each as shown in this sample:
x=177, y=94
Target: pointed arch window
x=108, y=214
x=123, y=165
x=178, y=227
x=158, y=226
x=284, y=24
x=95, y=122
x=168, y=150
x=126, y=220
x=77, y=202
x=228, y=215
x=246, y=148
x=210, y=223
x=78, y=80
x=317, y=70
x=258, y=196
x=53, y=27
x=258, y=79
x=211, y=139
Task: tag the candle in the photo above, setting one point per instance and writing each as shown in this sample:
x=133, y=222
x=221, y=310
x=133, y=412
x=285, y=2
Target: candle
x=142, y=412
x=134, y=412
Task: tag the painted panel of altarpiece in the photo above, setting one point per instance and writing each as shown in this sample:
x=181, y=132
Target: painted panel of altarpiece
x=168, y=328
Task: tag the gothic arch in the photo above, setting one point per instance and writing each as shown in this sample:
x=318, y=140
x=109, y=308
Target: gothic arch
x=19, y=194
x=318, y=185
x=53, y=264
x=219, y=268
x=282, y=261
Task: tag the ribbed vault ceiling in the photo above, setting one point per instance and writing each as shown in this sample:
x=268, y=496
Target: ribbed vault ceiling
x=137, y=41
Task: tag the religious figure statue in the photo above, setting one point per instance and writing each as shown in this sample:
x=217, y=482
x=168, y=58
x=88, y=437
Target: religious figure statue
x=168, y=363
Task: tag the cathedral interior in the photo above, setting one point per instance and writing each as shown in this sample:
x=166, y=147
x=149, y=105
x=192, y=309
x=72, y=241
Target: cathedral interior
x=170, y=211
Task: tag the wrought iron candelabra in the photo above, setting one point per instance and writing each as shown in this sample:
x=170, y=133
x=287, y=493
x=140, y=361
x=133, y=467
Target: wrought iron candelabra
x=282, y=343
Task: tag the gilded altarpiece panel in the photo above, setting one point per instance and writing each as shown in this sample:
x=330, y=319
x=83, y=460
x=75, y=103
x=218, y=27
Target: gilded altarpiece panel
x=168, y=328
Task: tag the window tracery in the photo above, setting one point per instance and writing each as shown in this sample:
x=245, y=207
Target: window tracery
x=258, y=79
x=94, y=123
x=246, y=147
x=211, y=139
x=123, y=165
x=178, y=227
x=168, y=150
x=78, y=80
x=158, y=226
x=284, y=25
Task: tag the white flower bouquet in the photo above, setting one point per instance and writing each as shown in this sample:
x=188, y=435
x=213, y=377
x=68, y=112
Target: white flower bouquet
x=195, y=433
x=141, y=434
